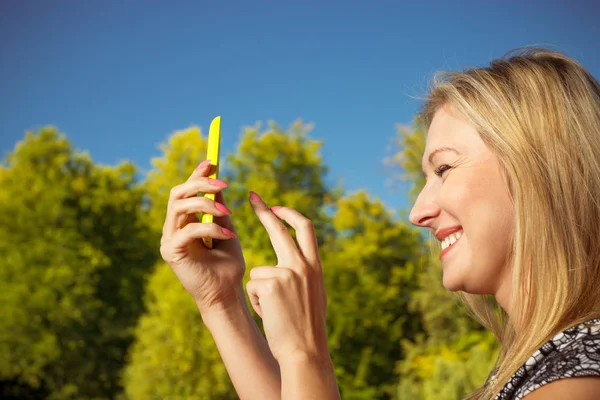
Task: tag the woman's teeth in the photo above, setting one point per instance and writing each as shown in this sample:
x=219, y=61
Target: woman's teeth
x=450, y=240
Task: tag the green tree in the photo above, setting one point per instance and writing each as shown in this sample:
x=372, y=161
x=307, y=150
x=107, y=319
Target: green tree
x=448, y=370
x=75, y=253
x=453, y=354
x=370, y=275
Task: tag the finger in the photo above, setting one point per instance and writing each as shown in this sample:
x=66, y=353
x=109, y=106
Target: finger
x=183, y=237
x=188, y=190
x=200, y=173
x=305, y=233
x=195, y=185
x=282, y=241
x=179, y=191
x=203, y=169
x=182, y=207
x=184, y=220
x=257, y=289
x=181, y=211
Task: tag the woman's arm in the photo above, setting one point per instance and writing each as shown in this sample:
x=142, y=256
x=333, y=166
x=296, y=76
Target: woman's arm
x=306, y=377
x=213, y=277
x=245, y=353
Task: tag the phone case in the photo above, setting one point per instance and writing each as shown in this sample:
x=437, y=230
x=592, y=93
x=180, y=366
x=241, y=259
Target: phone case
x=212, y=153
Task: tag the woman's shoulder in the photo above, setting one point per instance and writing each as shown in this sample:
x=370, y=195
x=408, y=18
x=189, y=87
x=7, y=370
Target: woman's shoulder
x=574, y=352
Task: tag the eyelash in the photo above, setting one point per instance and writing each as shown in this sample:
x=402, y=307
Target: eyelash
x=441, y=169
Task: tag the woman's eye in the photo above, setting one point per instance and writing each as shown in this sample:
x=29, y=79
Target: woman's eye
x=441, y=169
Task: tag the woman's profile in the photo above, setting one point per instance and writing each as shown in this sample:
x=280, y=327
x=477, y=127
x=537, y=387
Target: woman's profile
x=512, y=193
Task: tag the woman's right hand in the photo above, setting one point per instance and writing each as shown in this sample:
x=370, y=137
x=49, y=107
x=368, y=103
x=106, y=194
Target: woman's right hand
x=211, y=276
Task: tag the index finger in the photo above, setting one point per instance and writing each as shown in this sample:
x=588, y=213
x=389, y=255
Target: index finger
x=202, y=170
x=305, y=233
x=282, y=241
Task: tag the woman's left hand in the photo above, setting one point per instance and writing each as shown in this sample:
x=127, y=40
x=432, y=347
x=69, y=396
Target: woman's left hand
x=290, y=297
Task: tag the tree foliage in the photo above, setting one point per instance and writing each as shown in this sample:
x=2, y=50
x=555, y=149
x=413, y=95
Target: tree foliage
x=370, y=275
x=74, y=253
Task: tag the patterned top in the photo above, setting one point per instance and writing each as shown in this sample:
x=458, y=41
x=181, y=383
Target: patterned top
x=573, y=352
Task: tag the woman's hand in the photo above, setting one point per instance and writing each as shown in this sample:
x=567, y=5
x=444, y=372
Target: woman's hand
x=290, y=297
x=211, y=276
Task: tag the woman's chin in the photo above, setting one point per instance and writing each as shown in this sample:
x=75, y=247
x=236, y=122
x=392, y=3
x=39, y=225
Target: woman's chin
x=452, y=282
x=458, y=283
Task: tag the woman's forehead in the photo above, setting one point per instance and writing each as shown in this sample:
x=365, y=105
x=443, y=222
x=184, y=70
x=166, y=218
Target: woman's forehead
x=449, y=130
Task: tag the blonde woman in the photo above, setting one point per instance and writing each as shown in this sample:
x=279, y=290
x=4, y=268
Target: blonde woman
x=512, y=163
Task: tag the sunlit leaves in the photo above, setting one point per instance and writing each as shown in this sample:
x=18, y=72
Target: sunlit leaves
x=74, y=251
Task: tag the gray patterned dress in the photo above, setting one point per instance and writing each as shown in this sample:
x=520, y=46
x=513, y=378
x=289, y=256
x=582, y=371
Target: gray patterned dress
x=572, y=353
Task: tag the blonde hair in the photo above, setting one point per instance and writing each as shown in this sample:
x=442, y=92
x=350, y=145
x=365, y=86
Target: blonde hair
x=539, y=112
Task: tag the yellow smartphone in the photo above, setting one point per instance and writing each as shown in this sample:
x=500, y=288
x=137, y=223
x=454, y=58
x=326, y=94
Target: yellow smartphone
x=212, y=154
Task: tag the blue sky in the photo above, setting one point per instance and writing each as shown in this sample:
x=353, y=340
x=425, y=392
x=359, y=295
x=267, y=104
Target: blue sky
x=119, y=77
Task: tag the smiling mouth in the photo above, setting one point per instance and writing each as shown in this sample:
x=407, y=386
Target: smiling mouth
x=450, y=240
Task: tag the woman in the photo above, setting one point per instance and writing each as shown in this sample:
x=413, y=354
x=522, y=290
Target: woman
x=512, y=164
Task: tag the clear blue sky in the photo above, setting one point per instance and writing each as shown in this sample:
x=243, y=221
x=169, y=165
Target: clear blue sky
x=119, y=77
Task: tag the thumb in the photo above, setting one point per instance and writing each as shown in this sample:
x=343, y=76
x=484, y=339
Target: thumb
x=252, y=287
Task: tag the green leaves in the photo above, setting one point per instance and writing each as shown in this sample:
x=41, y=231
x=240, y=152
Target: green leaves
x=370, y=277
x=74, y=252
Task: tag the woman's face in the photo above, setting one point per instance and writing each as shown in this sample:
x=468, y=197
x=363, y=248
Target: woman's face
x=466, y=205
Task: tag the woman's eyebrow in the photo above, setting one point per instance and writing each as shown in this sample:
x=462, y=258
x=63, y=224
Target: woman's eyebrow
x=439, y=150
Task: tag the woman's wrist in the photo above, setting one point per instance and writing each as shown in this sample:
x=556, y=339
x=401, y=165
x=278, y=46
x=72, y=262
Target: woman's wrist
x=230, y=308
x=319, y=360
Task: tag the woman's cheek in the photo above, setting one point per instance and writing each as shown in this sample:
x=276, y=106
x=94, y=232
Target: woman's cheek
x=454, y=196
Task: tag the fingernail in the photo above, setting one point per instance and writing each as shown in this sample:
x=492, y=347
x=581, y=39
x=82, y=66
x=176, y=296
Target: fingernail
x=229, y=233
x=275, y=208
x=217, y=182
x=203, y=165
x=255, y=196
x=221, y=207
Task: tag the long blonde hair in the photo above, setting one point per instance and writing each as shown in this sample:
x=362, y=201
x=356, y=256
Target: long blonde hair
x=539, y=112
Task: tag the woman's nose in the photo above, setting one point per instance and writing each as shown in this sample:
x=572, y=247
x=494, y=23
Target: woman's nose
x=424, y=211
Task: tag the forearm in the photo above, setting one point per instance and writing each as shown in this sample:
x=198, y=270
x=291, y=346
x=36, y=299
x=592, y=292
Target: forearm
x=245, y=352
x=305, y=377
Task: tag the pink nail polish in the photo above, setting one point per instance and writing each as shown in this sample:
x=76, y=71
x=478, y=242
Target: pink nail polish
x=221, y=207
x=217, y=183
x=203, y=165
x=275, y=208
x=229, y=233
x=255, y=196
